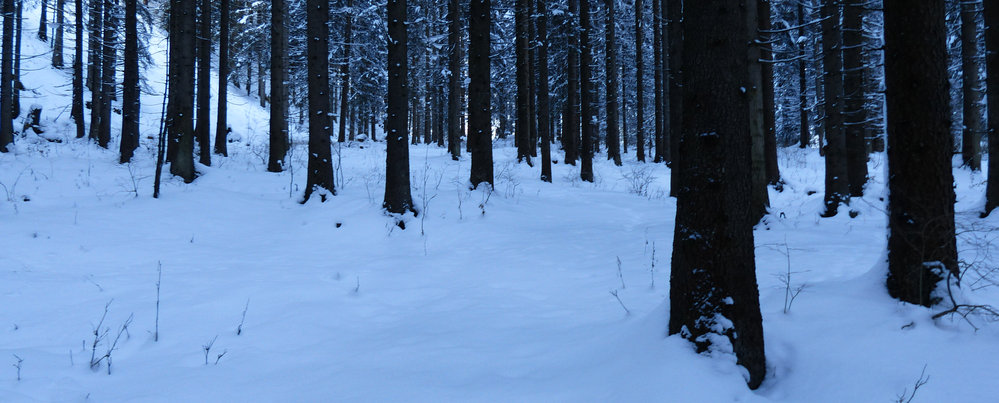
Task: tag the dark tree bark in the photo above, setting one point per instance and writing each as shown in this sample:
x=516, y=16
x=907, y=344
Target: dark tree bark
x=640, y=82
x=18, y=86
x=613, y=136
x=836, y=179
x=398, y=197
x=713, y=289
x=921, y=241
x=854, y=113
x=991, y=11
x=345, y=72
x=522, y=135
x=130, y=87
x=571, y=124
x=674, y=10
x=77, y=111
x=544, y=109
x=222, y=123
x=43, y=29
x=57, y=58
x=587, y=93
x=96, y=9
x=7, y=78
x=804, y=133
x=760, y=198
x=454, y=79
x=279, y=139
x=657, y=79
x=479, y=112
x=106, y=84
x=320, y=175
x=203, y=130
x=769, y=107
x=96, y=75
x=974, y=120
x=180, y=108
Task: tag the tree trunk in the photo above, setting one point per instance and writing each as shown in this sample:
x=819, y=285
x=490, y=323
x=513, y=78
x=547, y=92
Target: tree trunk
x=97, y=79
x=544, y=108
x=130, y=87
x=921, y=240
x=759, y=199
x=222, y=123
x=522, y=135
x=974, y=123
x=674, y=9
x=855, y=116
x=57, y=59
x=320, y=175
x=94, y=42
x=991, y=11
x=279, y=139
x=587, y=93
x=454, y=79
x=804, y=133
x=713, y=288
x=640, y=82
x=398, y=198
x=571, y=124
x=18, y=86
x=345, y=72
x=611, y=74
x=657, y=79
x=43, y=29
x=769, y=109
x=836, y=179
x=7, y=78
x=203, y=130
x=180, y=108
x=479, y=113
x=77, y=111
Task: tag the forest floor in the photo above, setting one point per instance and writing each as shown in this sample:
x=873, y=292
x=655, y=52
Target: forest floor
x=506, y=295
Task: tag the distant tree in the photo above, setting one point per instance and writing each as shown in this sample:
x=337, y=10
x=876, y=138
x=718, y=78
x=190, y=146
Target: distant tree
x=991, y=12
x=768, y=92
x=974, y=107
x=57, y=58
x=43, y=30
x=222, y=124
x=130, y=86
x=713, y=289
x=804, y=133
x=640, y=82
x=454, y=79
x=544, y=108
x=611, y=93
x=523, y=129
x=836, y=179
x=203, y=129
x=180, y=99
x=479, y=110
x=320, y=175
x=7, y=78
x=587, y=93
x=345, y=71
x=854, y=111
x=571, y=124
x=279, y=139
x=921, y=241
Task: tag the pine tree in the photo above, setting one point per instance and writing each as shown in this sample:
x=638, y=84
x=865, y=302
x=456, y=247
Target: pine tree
x=479, y=110
x=320, y=169
x=587, y=93
x=203, y=130
x=544, y=108
x=836, y=179
x=611, y=94
x=77, y=110
x=180, y=100
x=279, y=139
x=854, y=113
x=222, y=124
x=398, y=195
x=454, y=79
x=640, y=82
x=130, y=86
x=713, y=289
x=974, y=119
x=7, y=78
x=921, y=241
x=991, y=12
x=57, y=58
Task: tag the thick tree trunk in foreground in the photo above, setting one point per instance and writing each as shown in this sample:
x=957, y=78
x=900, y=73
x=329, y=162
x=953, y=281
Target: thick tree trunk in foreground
x=221, y=122
x=544, y=109
x=992, y=85
x=713, y=289
x=854, y=113
x=130, y=87
x=921, y=245
x=180, y=108
x=320, y=175
x=479, y=112
x=836, y=179
x=203, y=129
x=640, y=83
x=587, y=93
x=611, y=75
x=279, y=140
x=398, y=198
x=974, y=108
x=7, y=78
x=454, y=79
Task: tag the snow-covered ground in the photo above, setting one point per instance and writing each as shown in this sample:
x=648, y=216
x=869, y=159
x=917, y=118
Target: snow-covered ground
x=502, y=296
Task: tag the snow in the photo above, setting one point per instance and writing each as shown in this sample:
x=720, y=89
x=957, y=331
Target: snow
x=484, y=297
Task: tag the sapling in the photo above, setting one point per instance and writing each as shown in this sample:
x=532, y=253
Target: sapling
x=239, y=329
x=627, y=312
x=620, y=275
x=905, y=396
x=652, y=270
x=159, y=277
x=208, y=348
x=18, y=366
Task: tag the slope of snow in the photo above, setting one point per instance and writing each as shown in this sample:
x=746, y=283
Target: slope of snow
x=502, y=296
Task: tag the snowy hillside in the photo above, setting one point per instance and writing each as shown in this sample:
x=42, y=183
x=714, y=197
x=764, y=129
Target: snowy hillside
x=228, y=289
